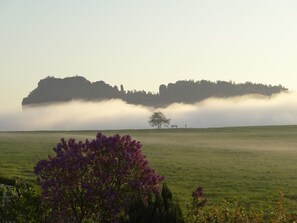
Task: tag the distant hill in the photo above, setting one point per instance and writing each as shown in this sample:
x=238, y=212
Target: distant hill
x=51, y=90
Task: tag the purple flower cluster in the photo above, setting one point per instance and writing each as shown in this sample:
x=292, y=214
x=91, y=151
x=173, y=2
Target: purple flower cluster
x=96, y=179
x=198, y=193
x=198, y=197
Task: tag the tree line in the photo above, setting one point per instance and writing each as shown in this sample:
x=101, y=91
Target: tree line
x=51, y=90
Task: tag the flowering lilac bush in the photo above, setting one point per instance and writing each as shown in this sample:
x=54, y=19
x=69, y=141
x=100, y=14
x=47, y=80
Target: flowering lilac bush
x=96, y=179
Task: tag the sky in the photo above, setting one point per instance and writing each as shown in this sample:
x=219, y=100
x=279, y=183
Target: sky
x=142, y=44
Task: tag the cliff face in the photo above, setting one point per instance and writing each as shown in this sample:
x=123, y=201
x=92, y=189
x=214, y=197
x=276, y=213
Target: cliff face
x=51, y=90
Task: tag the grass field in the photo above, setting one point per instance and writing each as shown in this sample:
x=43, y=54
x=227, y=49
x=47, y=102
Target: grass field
x=247, y=162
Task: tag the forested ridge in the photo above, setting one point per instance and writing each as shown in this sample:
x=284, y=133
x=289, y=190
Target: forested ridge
x=51, y=90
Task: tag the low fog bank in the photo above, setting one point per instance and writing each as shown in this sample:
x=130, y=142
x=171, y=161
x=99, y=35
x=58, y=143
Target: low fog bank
x=237, y=111
x=77, y=115
x=116, y=114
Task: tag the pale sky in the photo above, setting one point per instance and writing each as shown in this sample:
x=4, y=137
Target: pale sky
x=142, y=44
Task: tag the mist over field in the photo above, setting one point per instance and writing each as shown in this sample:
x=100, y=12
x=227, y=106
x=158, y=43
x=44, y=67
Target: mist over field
x=117, y=114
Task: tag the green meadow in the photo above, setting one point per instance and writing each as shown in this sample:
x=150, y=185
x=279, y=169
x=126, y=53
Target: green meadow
x=246, y=163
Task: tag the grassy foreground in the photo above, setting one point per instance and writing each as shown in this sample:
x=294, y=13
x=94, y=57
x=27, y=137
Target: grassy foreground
x=250, y=163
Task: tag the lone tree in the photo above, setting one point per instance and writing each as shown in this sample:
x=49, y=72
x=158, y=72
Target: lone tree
x=158, y=119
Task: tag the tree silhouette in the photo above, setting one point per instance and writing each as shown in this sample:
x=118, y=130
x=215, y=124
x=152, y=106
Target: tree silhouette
x=158, y=119
x=51, y=90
